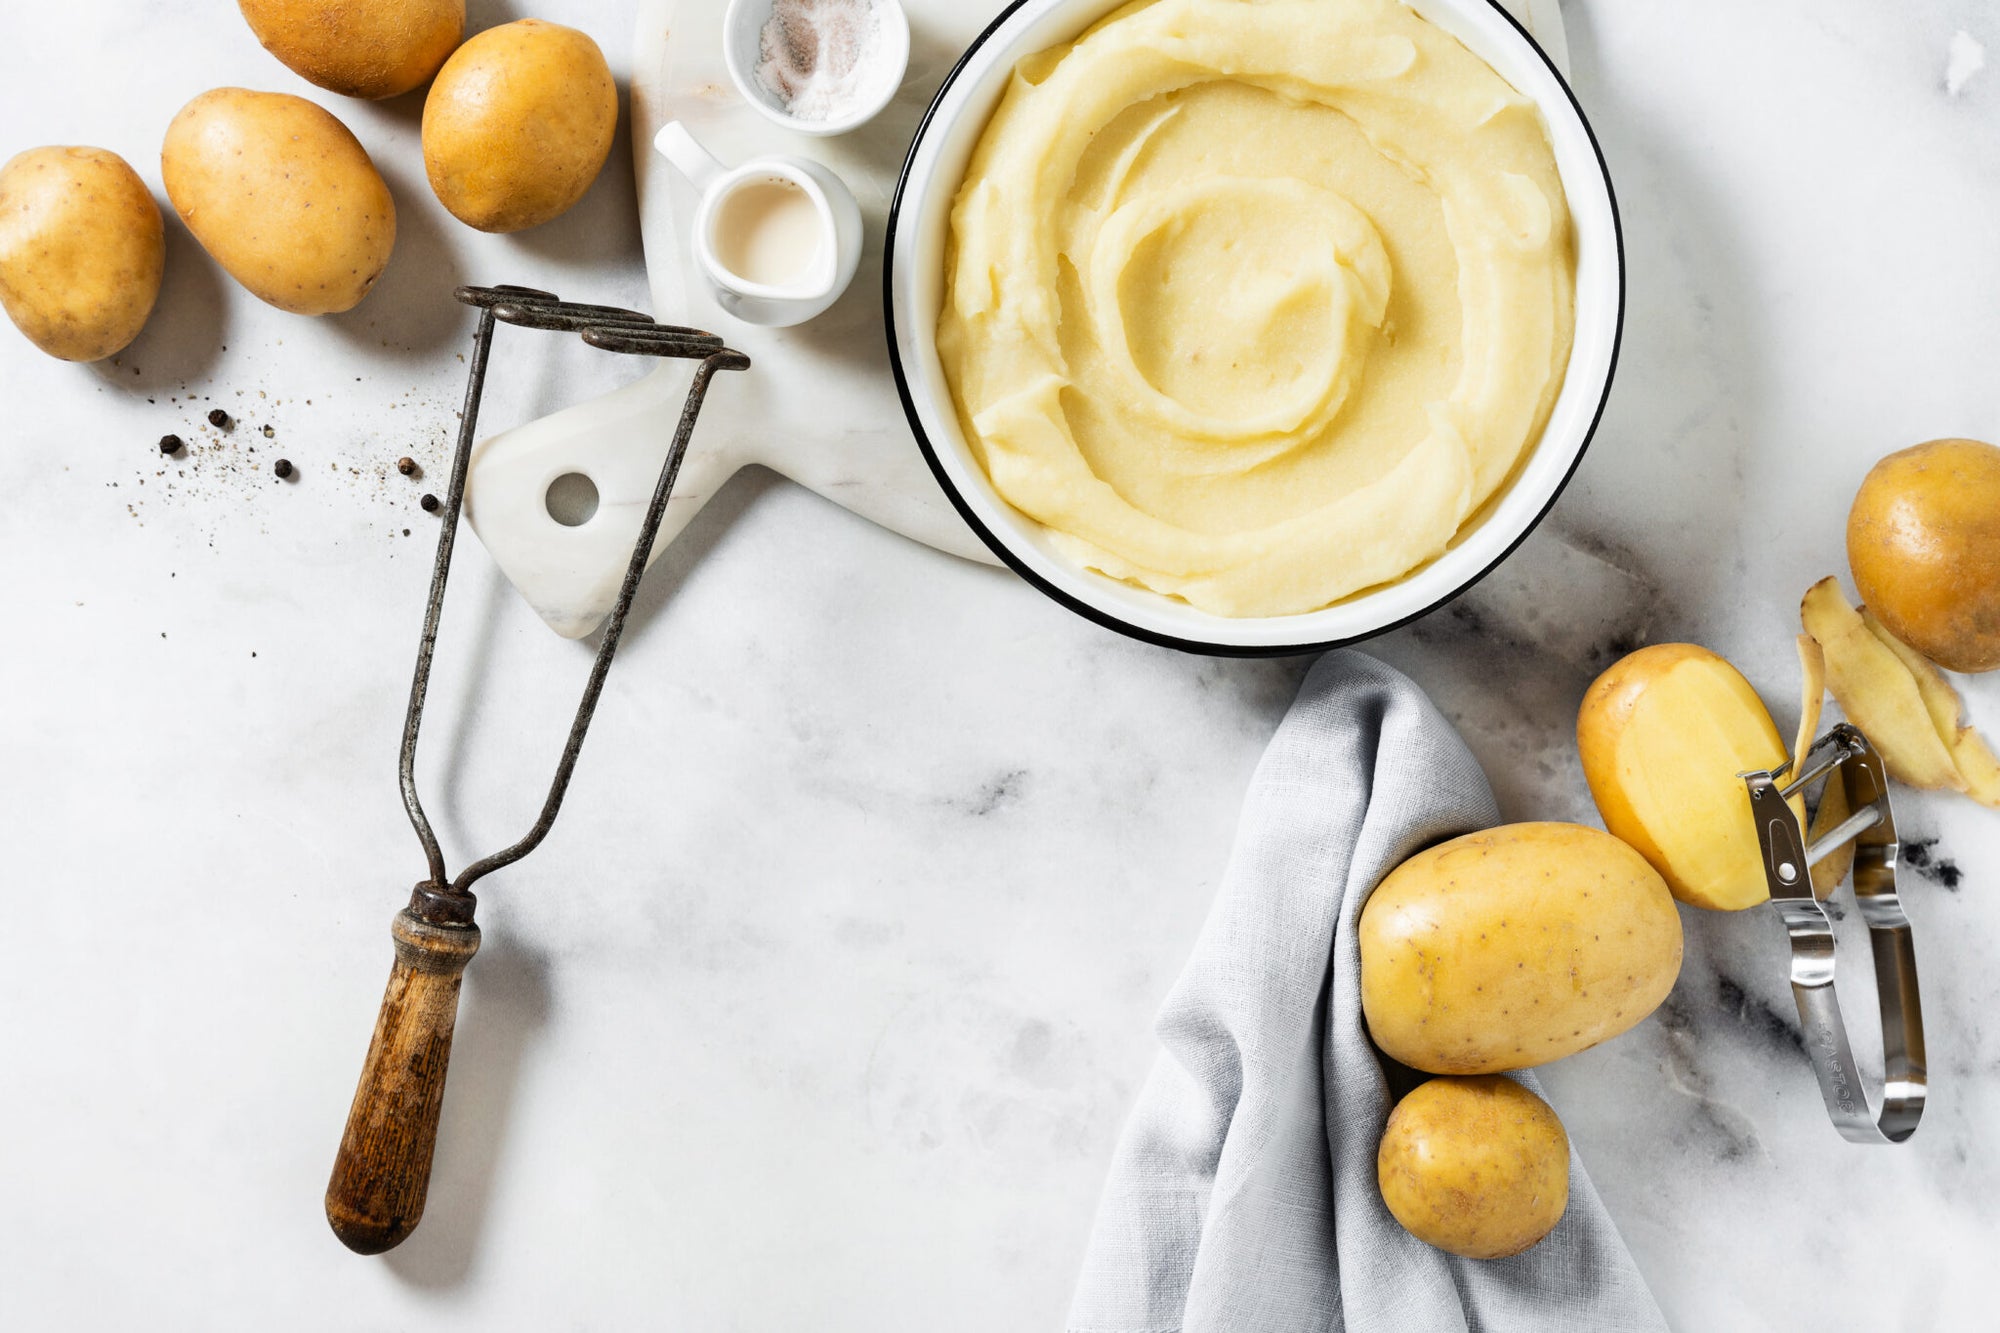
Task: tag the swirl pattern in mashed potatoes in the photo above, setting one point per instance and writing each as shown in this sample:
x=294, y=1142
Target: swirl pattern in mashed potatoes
x=1256, y=302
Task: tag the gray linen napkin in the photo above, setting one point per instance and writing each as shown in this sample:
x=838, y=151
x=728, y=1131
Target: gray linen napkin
x=1243, y=1196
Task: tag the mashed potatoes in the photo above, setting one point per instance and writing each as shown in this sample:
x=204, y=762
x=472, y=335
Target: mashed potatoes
x=1255, y=302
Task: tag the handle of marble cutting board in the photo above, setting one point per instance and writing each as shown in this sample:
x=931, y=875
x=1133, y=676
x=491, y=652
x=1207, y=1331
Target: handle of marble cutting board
x=570, y=576
x=383, y=1171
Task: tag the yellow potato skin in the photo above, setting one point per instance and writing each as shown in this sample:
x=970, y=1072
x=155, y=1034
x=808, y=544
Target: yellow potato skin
x=1923, y=540
x=1663, y=736
x=1478, y=1167
x=359, y=48
x=1514, y=947
x=82, y=250
x=282, y=196
x=518, y=124
x=1970, y=752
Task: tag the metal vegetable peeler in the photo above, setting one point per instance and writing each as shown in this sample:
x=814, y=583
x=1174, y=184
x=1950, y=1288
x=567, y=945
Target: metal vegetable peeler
x=1844, y=755
x=382, y=1173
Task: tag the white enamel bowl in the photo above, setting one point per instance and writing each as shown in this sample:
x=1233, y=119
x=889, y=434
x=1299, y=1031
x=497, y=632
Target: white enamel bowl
x=914, y=292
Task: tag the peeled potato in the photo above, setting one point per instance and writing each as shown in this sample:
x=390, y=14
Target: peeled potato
x=359, y=48
x=518, y=125
x=1513, y=947
x=82, y=250
x=282, y=196
x=1923, y=540
x=1478, y=1167
x=1664, y=736
x=1877, y=692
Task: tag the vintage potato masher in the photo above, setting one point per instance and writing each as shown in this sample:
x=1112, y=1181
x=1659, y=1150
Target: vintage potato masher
x=382, y=1172
x=1844, y=756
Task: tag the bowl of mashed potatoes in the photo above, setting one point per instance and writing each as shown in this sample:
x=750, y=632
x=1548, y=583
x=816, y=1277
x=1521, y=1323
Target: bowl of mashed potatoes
x=1254, y=326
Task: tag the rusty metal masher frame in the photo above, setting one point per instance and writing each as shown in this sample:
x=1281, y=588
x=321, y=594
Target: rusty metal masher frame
x=382, y=1172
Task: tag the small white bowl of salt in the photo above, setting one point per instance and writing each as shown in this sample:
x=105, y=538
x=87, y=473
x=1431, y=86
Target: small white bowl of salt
x=817, y=66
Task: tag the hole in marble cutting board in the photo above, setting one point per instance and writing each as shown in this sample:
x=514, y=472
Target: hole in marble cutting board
x=572, y=499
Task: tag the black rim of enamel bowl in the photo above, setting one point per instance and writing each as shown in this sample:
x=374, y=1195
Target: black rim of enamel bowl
x=1201, y=646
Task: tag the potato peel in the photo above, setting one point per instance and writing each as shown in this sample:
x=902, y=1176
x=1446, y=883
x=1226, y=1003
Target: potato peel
x=1812, y=699
x=1969, y=750
x=1878, y=692
x=1828, y=874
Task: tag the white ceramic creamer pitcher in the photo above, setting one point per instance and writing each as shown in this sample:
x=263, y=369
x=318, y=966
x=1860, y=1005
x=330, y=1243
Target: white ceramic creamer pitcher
x=777, y=239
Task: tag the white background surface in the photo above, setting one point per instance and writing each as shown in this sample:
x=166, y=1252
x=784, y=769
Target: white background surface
x=823, y=1004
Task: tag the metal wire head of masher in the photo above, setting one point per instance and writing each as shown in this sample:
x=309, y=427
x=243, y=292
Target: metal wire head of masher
x=1845, y=756
x=440, y=899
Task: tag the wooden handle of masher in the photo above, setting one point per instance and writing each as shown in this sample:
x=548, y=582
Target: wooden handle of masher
x=376, y=1196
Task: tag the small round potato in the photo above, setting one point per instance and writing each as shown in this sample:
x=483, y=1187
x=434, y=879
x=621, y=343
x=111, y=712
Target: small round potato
x=518, y=125
x=1478, y=1167
x=1923, y=540
x=359, y=48
x=282, y=195
x=82, y=250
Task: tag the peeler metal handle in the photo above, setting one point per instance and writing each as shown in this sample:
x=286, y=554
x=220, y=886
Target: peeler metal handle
x=1845, y=756
x=383, y=1170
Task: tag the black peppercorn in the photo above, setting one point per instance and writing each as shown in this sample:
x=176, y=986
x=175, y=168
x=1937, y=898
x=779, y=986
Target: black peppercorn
x=430, y=504
x=170, y=444
x=283, y=467
x=407, y=466
x=218, y=419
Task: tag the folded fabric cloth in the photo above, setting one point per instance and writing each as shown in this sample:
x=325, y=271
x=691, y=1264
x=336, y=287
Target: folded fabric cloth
x=1243, y=1195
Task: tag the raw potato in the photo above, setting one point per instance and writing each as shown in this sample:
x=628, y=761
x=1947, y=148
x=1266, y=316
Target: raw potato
x=1478, y=1167
x=1664, y=736
x=359, y=48
x=82, y=250
x=1923, y=540
x=1877, y=692
x=1969, y=750
x=282, y=196
x=518, y=125
x=1514, y=947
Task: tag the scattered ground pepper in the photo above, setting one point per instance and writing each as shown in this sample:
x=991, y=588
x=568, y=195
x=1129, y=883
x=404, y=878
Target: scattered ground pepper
x=171, y=444
x=219, y=419
x=430, y=503
x=270, y=434
x=407, y=466
x=283, y=467
x=1922, y=857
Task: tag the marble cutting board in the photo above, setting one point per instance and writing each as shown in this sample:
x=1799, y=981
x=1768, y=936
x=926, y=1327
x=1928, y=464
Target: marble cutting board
x=818, y=406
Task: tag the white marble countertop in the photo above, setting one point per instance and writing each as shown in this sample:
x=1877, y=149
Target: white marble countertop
x=823, y=1004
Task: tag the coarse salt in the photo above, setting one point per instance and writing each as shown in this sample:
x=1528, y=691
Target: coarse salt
x=819, y=56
